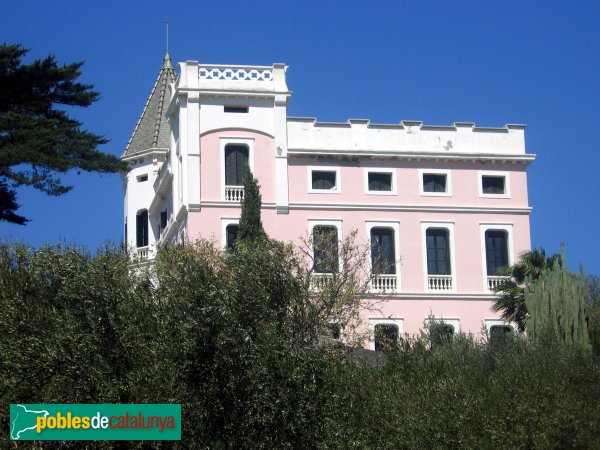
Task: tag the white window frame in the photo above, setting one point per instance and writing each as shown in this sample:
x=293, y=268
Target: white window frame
x=446, y=172
x=223, y=142
x=338, y=179
x=450, y=227
x=392, y=172
x=225, y=222
x=398, y=321
x=396, y=227
x=482, y=173
x=508, y=228
x=489, y=323
x=454, y=321
x=337, y=223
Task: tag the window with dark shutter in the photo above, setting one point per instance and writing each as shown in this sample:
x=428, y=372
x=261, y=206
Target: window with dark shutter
x=325, y=249
x=496, y=250
x=434, y=182
x=232, y=234
x=386, y=337
x=380, y=181
x=163, y=219
x=236, y=163
x=142, y=228
x=492, y=185
x=383, y=255
x=323, y=180
x=438, y=252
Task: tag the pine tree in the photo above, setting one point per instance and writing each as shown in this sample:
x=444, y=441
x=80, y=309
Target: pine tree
x=250, y=224
x=38, y=140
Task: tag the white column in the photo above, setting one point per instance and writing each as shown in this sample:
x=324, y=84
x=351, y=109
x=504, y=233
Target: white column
x=282, y=96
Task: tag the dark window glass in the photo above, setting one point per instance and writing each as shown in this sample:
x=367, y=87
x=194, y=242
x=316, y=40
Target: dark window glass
x=500, y=332
x=434, y=182
x=492, y=185
x=386, y=337
x=126, y=244
x=334, y=330
x=438, y=252
x=163, y=219
x=383, y=255
x=142, y=178
x=236, y=109
x=496, y=250
x=142, y=228
x=236, y=163
x=380, y=181
x=232, y=234
x=323, y=180
x=325, y=245
x=440, y=333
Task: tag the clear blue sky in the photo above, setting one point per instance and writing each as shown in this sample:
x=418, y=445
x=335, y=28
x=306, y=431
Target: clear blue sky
x=491, y=63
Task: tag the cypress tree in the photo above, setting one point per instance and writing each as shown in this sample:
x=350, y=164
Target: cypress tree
x=251, y=227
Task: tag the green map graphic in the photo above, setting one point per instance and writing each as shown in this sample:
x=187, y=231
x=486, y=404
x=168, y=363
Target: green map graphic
x=24, y=419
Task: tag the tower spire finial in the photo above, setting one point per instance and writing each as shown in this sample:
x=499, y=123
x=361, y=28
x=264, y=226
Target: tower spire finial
x=167, y=33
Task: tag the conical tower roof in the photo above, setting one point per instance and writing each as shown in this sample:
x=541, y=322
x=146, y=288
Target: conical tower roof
x=152, y=129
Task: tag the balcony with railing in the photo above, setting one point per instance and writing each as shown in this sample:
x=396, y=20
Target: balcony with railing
x=439, y=283
x=383, y=283
x=320, y=281
x=143, y=253
x=234, y=194
x=493, y=281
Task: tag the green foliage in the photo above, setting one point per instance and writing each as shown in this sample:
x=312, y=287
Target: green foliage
x=593, y=312
x=37, y=139
x=217, y=332
x=250, y=224
x=511, y=291
x=556, y=305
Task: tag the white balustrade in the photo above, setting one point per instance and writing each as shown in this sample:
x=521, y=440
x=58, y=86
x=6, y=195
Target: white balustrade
x=235, y=73
x=143, y=252
x=439, y=282
x=319, y=281
x=384, y=283
x=495, y=281
x=234, y=193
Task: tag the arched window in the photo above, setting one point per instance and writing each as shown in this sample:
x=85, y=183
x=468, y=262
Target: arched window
x=496, y=250
x=142, y=228
x=325, y=248
x=236, y=163
x=383, y=254
x=386, y=337
x=438, y=252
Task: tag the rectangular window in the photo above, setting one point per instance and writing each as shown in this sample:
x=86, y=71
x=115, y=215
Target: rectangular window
x=383, y=255
x=325, y=249
x=142, y=228
x=438, y=251
x=380, y=181
x=235, y=109
x=496, y=251
x=323, y=180
x=142, y=178
x=499, y=333
x=493, y=185
x=236, y=163
x=386, y=337
x=232, y=231
x=434, y=182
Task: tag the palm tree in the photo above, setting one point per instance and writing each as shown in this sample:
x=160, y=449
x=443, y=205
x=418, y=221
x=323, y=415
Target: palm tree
x=511, y=291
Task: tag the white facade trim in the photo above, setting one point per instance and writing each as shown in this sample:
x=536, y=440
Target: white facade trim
x=489, y=323
x=482, y=173
x=454, y=321
x=392, y=172
x=446, y=172
x=225, y=222
x=425, y=225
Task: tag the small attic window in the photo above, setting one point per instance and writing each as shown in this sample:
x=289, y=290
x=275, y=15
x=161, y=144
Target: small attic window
x=235, y=109
x=142, y=178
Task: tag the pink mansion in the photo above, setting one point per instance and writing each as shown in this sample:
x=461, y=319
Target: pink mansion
x=443, y=206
